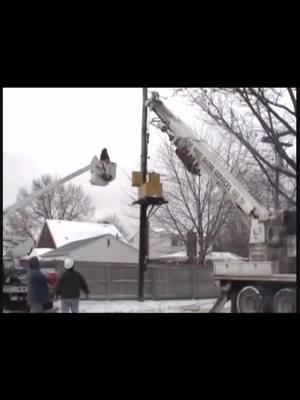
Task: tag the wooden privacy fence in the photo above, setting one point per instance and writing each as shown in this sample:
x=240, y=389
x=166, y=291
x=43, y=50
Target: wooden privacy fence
x=162, y=281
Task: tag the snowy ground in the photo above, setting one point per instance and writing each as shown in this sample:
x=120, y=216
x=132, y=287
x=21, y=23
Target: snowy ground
x=149, y=306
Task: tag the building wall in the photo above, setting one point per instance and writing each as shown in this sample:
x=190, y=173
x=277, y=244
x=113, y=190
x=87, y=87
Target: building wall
x=106, y=249
x=163, y=244
x=160, y=244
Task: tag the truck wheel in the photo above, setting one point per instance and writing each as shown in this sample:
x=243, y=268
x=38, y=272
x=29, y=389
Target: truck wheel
x=233, y=298
x=284, y=301
x=5, y=301
x=249, y=300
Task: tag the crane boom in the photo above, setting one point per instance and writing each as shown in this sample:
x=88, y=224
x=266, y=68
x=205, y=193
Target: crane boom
x=102, y=173
x=195, y=155
x=22, y=203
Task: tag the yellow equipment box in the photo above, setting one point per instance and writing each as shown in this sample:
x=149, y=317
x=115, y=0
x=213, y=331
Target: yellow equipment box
x=154, y=178
x=150, y=190
x=137, y=179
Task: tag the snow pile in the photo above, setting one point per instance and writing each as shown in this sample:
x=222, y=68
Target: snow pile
x=64, y=232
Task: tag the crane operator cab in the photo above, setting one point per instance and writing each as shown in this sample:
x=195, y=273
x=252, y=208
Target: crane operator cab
x=103, y=171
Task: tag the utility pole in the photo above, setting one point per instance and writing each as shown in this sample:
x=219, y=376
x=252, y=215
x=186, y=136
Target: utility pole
x=143, y=245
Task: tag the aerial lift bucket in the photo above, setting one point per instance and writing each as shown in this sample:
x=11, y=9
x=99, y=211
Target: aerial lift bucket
x=102, y=172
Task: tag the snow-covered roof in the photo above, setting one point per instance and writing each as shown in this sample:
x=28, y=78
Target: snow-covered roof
x=64, y=232
x=219, y=255
x=158, y=230
x=42, y=251
x=36, y=252
x=213, y=256
x=180, y=254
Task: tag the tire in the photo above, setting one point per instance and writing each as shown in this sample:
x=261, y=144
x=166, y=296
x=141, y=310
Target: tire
x=249, y=300
x=5, y=301
x=284, y=301
x=233, y=308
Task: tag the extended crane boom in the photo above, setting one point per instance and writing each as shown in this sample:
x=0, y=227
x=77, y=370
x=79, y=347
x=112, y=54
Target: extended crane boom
x=102, y=174
x=267, y=281
x=195, y=155
x=22, y=203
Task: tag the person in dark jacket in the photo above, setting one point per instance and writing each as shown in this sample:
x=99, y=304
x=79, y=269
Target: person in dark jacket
x=105, y=160
x=38, y=291
x=68, y=287
x=104, y=155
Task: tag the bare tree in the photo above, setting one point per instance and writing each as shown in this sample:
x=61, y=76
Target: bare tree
x=233, y=236
x=67, y=202
x=113, y=219
x=249, y=114
x=195, y=201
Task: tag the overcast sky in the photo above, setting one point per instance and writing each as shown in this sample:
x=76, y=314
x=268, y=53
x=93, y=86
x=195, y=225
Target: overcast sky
x=59, y=130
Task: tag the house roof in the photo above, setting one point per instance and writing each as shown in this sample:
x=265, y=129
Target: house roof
x=36, y=252
x=41, y=251
x=223, y=255
x=180, y=254
x=214, y=255
x=159, y=230
x=64, y=232
x=155, y=231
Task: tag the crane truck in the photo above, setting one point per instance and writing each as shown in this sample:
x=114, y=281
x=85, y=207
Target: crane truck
x=267, y=282
x=15, y=283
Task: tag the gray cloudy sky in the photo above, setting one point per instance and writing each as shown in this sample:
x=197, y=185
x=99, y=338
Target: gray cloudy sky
x=59, y=130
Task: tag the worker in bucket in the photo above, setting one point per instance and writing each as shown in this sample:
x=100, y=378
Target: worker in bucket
x=105, y=164
x=38, y=291
x=104, y=156
x=68, y=287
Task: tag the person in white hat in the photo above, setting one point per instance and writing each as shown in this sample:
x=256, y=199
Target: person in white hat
x=68, y=287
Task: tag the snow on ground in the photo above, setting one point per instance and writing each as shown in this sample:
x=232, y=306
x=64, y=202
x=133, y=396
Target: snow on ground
x=148, y=306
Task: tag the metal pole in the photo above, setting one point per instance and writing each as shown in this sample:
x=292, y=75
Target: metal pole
x=143, y=207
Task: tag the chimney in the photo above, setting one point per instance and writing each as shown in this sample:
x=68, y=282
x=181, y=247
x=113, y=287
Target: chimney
x=191, y=245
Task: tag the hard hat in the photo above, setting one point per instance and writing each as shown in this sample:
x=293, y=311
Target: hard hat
x=69, y=263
